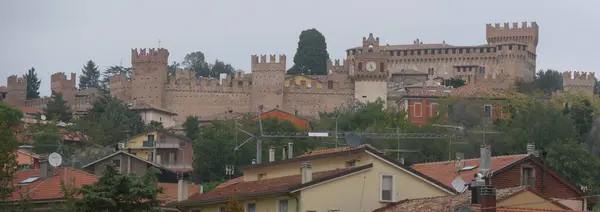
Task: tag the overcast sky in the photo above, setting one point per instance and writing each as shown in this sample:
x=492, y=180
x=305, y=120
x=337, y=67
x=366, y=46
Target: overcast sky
x=60, y=36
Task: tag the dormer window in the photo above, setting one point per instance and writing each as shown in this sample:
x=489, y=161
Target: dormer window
x=371, y=48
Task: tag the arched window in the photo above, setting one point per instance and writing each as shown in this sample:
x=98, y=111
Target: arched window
x=381, y=67
x=371, y=48
x=360, y=66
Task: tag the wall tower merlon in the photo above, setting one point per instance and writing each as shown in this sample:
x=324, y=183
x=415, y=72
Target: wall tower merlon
x=506, y=25
x=254, y=59
x=567, y=75
x=263, y=58
x=515, y=25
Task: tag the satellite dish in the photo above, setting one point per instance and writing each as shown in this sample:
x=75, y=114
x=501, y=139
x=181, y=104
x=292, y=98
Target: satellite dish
x=352, y=139
x=43, y=117
x=459, y=184
x=54, y=159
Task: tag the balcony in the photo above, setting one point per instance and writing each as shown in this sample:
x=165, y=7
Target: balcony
x=153, y=145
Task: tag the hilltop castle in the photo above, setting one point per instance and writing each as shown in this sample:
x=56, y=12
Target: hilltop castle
x=368, y=73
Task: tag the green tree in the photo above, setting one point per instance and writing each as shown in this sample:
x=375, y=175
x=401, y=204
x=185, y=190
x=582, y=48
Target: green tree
x=548, y=81
x=455, y=82
x=8, y=158
x=57, y=109
x=11, y=116
x=112, y=71
x=116, y=191
x=197, y=62
x=155, y=125
x=581, y=113
x=109, y=121
x=47, y=138
x=311, y=56
x=234, y=205
x=191, y=127
x=33, y=84
x=220, y=67
x=90, y=77
x=173, y=68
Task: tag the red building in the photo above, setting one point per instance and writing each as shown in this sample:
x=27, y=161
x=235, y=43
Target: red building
x=424, y=104
x=300, y=123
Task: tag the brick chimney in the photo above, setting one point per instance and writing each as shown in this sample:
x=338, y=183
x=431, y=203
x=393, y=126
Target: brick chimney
x=182, y=187
x=290, y=150
x=488, y=199
x=271, y=154
x=306, y=172
x=45, y=168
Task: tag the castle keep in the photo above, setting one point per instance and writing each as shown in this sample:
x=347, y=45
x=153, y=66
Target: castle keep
x=369, y=72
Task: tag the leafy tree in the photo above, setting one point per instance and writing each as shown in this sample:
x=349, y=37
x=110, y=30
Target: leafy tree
x=209, y=186
x=311, y=56
x=581, y=114
x=191, y=127
x=90, y=77
x=109, y=121
x=173, y=68
x=112, y=71
x=574, y=163
x=116, y=191
x=155, y=125
x=197, y=62
x=33, y=84
x=234, y=205
x=220, y=67
x=8, y=158
x=47, y=138
x=11, y=116
x=548, y=81
x=455, y=82
x=57, y=109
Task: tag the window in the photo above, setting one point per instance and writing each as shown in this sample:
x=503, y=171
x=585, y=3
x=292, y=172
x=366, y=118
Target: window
x=487, y=111
x=251, y=207
x=381, y=67
x=117, y=164
x=151, y=138
x=360, y=66
x=283, y=205
x=387, y=188
x=371, y=48
x=29, y=180
x=450, y=110
x=222, y=209
x=171, y=158
x=430, y=71
x=528, y=176
x=433, y=109
x=418, y=109
x=330, y=84
x=295, y=112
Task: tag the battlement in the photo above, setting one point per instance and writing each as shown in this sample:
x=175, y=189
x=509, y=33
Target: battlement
x=16, y=82
x=524, y=33
x=118, y=78
x=337, y=65
x=152, y=55
x=577, y=75
x=272, y=65
x=61, y=78
x=515, y=26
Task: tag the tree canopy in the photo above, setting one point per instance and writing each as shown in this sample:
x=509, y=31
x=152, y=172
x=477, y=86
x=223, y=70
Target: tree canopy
x=8, y=158
x=33, y=84
x=197, y=62
x=90, y=76
x=191, y=127
x=57, y=109
x=311, y=55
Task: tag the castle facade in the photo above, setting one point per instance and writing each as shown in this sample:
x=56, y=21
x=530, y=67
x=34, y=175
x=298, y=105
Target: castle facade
x=367, y=73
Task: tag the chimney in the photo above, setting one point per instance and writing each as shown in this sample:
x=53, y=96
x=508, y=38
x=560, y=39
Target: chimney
x=290, y=150
x=306, y=172
x=475, y=187
x=531, y=148
x=45, y=170
x=488, y=199
x=271, y=154
x=182, y=187
x=283, y=156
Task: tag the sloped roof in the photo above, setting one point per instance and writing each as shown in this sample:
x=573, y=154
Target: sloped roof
x=468, y=91
x=278, y=185
x=30, y=110
x=140, y=105
x=170, y=191
x=445, y=171
x=133, y=156
x=332, y=150
x=231, y=182
x=48, y=188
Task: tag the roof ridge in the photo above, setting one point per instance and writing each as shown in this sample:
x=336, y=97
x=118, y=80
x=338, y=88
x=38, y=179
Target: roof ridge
x=448, y=161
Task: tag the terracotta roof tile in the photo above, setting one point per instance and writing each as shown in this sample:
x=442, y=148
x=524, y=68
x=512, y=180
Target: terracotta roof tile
x=140, y=105
x=170, y=191
x=333, y=150
x=231, y=182
x=443, y=203
x=511, y=209
x=48, y=188
x=471, y=90
x=262, y=186
x=30, y=110
x=445, y=171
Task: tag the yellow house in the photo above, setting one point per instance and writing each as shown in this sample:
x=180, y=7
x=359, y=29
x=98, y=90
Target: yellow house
x=161, y=147
x=303, y=81
x=345, y=179
x=522, y=198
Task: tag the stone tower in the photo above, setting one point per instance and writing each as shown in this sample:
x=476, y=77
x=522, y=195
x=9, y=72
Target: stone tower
x=149, y=75
x=60, y=84
x=516, y=48
x=370, y=71
x=267, y=81
x=17, y=91
x=579, y=82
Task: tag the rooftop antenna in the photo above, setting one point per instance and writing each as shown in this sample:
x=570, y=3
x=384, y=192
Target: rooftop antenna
x=352, y=139
x=159, y=42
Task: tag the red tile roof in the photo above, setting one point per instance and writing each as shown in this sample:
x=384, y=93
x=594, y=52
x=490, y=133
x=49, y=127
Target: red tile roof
x=30, y=110
x=170, y=191
x=333, y=150
x=448, y=203
x=231, y=182
x=471, y=90
x=48, y=188
x=478, y=208
x=266, y=186
x=445, y=171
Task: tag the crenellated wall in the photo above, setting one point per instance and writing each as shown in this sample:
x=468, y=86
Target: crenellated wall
x=16, y=90
x=575, y=81
x=60, y=84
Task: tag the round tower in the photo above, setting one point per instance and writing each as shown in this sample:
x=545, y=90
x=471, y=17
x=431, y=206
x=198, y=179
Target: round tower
x=149, y=75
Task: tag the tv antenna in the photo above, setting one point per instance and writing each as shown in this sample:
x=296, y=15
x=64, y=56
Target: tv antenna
x=159, y=42
x=54, y=159
x=352, y=139
x=43, y=117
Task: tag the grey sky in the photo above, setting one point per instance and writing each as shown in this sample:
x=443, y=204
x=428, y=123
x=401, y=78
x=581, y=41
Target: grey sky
x=60, y=36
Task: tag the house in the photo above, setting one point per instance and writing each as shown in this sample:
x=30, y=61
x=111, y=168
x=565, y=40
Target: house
x=300, y=123
x=522, y=198
x=27, y=159
x=130, y=163
x=424, y=104
x=150, y=113
x=511, y=171
x=347, y=179
x=161, y=147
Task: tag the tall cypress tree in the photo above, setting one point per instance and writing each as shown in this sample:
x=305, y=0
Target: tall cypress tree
x=33, y=84
x=90, y=77
x=57, y=109
x=311, y=56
